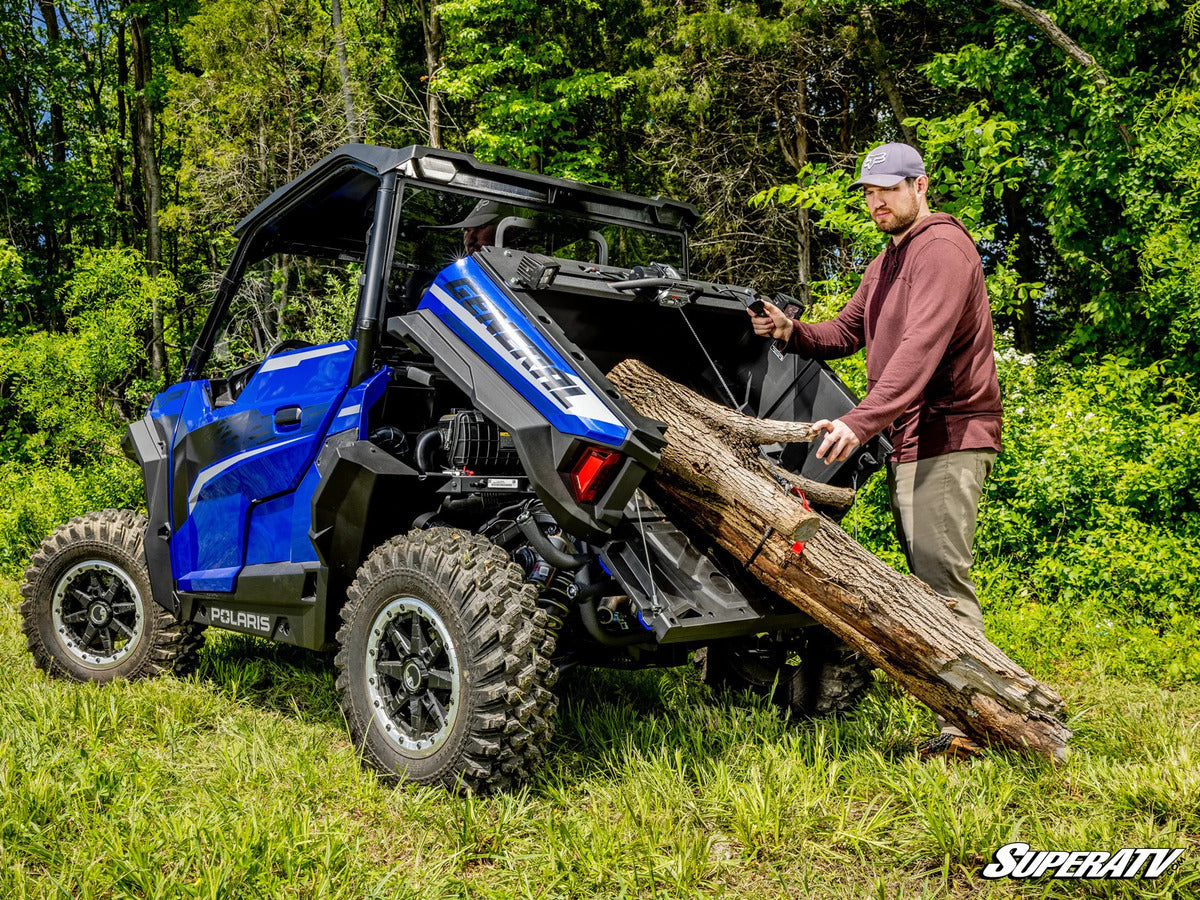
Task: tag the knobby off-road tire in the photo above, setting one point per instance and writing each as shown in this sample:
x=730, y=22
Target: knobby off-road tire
x=829, y=679
x=88, y=612
x=444, y=663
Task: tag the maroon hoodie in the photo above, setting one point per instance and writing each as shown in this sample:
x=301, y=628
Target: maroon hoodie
x=922, y=313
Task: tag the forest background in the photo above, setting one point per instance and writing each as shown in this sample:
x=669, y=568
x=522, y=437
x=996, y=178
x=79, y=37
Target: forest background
x=133, y=135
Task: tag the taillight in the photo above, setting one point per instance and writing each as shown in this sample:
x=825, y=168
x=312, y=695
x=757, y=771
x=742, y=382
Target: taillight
x=593, y=472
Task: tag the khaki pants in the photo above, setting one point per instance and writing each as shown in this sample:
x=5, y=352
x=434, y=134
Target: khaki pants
x=935, y=503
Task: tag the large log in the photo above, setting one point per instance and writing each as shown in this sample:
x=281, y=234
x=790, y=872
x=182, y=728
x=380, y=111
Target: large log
x=712, y=473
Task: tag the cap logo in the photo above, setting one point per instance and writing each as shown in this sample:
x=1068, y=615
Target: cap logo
x=874, y=159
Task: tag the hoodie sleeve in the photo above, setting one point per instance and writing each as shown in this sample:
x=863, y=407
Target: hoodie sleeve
x=840, y=336
x=938, y=292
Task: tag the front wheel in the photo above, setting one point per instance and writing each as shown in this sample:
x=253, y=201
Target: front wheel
x=88, y=612
x=444, y=664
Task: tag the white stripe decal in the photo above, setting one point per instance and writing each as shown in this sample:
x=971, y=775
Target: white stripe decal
x=587, y=406
x=212, y=472
x=274, y=363
x=350, y=411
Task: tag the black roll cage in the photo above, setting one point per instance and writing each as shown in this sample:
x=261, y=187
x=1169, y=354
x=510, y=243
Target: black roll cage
x=322, y=212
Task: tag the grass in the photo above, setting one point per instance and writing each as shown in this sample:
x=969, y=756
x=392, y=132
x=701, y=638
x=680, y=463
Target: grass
x=240, y=782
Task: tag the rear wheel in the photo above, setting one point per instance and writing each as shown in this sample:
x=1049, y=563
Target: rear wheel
x=810, y=676
x=444, y=665
x=88, y=612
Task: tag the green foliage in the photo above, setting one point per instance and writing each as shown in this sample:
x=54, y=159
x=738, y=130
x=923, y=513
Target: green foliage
x=37, y=498
x=1098, y=206
x=1093, y=510
x=55, y=143
x=14, y=285
x=68, y=392
x=253, y=102
x=839, y=209
x=971, y=159
x=538, y=100
x=13, y=280
x=65, y=398
x=1162, y=193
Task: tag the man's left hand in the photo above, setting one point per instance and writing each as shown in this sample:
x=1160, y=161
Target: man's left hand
x=839, y=441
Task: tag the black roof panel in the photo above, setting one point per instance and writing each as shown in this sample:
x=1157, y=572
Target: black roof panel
x=328, y=207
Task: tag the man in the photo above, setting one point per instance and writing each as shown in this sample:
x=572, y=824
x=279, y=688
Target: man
x=922, y=313
x=479, y=226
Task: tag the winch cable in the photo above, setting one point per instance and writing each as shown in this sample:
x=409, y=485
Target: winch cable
x=740, y=407
x=732, y=399
x=637, y=502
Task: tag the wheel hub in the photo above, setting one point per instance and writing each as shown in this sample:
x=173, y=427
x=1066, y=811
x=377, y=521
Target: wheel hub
x=98, y=613
x=412, y=675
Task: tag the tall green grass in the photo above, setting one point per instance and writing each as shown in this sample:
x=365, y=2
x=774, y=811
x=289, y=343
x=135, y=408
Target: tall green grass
x=240, y=782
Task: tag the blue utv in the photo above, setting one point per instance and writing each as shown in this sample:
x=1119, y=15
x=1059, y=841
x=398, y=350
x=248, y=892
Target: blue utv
x=385, y=445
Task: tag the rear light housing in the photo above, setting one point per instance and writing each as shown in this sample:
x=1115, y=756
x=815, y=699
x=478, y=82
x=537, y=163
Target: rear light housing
x=592, y=472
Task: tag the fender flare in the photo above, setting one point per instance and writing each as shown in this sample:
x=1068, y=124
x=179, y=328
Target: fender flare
x=144, y=444
x=352, y=475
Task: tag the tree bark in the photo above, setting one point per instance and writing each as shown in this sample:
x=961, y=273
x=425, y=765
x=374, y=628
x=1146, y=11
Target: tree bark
x=711, y=480
x=883, y=75
x=1064, y=42
x=1025, y=317
x=339, y=38
x=144, y=129
x=58, y=135
x=716, y=450
x=795, y=152
x=431, y=23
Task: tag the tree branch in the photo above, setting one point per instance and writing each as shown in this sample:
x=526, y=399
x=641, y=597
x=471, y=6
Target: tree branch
x=1063, y=41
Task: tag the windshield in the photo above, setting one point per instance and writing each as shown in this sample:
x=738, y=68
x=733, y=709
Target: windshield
x=302, y=300
x=436, y=227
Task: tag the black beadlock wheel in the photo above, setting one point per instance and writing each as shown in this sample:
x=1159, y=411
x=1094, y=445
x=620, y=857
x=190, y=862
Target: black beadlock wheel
x=828, y=679
x=88, y=612
x=444, y=663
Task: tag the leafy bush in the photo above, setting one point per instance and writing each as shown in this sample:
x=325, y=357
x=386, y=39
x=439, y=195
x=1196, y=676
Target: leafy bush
x=65, y=397
x=1090, y=522
x=1092, y=514
x=34, y=500
x=65, y=394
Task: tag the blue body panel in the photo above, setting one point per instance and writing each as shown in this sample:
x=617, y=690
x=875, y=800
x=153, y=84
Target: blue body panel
x=166, y=407
x=469, y=303
x=243, y=483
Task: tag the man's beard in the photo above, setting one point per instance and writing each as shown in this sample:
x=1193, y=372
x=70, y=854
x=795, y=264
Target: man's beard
x=898, y=223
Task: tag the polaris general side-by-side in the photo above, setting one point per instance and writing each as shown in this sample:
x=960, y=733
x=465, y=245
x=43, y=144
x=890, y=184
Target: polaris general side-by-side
x=434, y=475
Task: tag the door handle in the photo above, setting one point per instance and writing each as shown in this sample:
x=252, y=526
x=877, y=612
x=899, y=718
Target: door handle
x=288, y=416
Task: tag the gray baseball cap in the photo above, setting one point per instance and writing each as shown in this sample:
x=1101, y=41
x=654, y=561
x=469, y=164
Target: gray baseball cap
x=889, y=164
x=486, y=212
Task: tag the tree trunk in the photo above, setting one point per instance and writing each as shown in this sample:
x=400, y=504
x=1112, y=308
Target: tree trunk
x=1025, y=317
x=797, y=157
x=58, y=135
x=144, y=128
x=883, y=74
x=431, y=22
x=339, y=38
x=710, y=477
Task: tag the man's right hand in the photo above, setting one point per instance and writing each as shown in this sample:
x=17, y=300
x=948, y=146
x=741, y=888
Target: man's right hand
x=773, y=325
